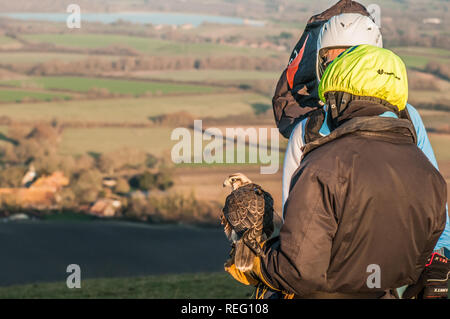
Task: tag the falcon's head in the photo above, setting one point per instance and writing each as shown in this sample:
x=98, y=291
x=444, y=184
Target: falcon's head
x=236, y=180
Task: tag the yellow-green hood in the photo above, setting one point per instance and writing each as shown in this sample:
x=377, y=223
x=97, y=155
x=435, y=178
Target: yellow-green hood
x=366, y=70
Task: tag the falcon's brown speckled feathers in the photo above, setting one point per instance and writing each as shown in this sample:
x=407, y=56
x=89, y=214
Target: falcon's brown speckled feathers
x=247, y=218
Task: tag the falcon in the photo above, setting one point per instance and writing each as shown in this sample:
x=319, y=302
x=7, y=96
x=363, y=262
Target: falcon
x=247, y=218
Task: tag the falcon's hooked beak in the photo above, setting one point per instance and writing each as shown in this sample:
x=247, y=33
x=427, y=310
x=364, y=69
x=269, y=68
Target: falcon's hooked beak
x=226, y=183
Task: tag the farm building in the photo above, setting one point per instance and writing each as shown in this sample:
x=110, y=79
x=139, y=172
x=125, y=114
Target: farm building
x=40, y=194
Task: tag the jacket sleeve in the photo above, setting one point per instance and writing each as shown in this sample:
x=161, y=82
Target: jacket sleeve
x=298, y=261
x=422, y=138
x=424, y=144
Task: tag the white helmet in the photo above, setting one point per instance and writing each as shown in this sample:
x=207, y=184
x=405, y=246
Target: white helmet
x=346, y=30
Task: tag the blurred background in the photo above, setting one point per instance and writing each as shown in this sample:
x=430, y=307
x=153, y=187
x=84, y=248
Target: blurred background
x=86, y=116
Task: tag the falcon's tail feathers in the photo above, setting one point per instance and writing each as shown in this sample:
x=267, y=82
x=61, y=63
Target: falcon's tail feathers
x=243, y=257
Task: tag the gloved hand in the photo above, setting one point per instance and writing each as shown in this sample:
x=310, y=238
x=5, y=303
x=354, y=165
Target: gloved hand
x=433, y=282
x=255, y=278
x=251, y=277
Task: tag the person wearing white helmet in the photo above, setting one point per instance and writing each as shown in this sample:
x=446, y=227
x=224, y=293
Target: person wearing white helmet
x=338, y=34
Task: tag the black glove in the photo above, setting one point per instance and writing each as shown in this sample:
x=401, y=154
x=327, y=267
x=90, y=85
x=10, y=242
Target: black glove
x=433, y=282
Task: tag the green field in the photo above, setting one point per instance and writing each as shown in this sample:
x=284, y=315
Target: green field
x=439, y=142
x=137, y=110
x=99, y=140
x=32, y=57
x=277, y=158
x=415, y=57
x=416, y=62
x=81, y=84
x=226, y=76
x=20, y=95
x=145, y=45
x=6, y=40
x=156, y=140
x=437, y=52
x=435, y=119
x=183, y=286
x=441, y=146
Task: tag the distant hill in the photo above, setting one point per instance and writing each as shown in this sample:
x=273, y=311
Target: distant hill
x=243, y=8
x=396, y=14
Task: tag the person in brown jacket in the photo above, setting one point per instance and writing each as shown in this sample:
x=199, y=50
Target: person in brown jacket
x=365, y=207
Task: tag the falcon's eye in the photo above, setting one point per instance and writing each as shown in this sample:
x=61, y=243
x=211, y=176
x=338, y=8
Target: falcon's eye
x=233, y=179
